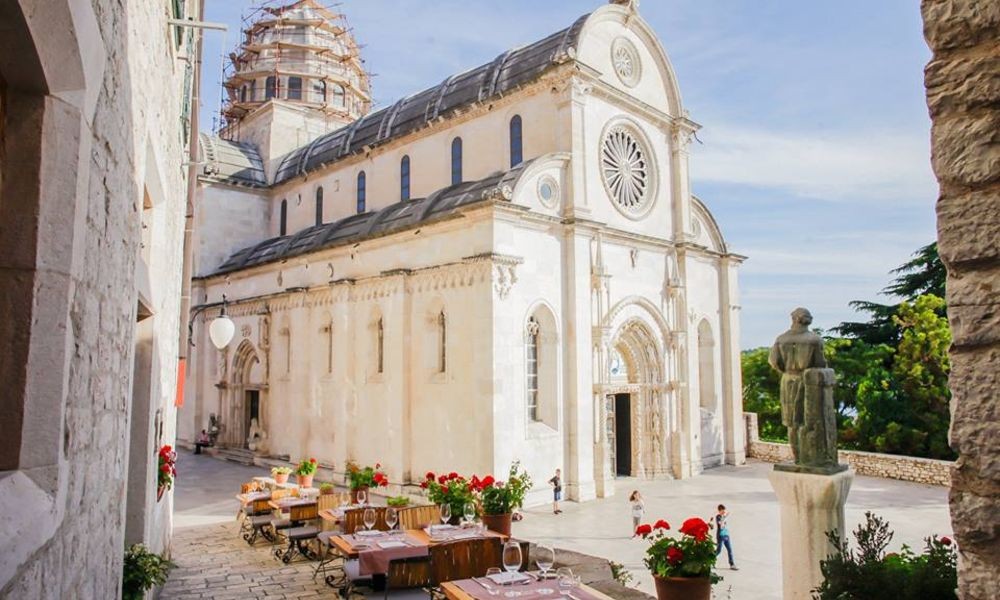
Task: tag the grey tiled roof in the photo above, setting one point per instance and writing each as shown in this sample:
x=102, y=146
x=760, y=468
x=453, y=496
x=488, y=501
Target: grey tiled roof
x=231, y=162
x=506, y=72
x=391, y=219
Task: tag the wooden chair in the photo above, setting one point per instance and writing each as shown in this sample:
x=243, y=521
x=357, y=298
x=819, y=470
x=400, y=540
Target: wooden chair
x=486, y=553
x=452, y=561
x=418, y=517
x=354, y=519
x=408, y=573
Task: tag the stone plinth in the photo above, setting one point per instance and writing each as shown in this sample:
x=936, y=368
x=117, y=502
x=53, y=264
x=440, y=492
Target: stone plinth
x=811, y=505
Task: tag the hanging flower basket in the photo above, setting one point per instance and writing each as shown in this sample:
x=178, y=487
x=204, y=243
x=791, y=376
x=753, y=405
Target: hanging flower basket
x=166, y=471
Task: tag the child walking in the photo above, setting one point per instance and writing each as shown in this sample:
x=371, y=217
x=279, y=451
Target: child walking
x=638, y=509
x=556, y=482
x=722, y=536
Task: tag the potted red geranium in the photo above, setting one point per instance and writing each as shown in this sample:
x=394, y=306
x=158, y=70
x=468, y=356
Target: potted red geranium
x=305, y=471
x=451, y=489
x=362, y=479
x=682, y=567
x=501, y=498
x=166, y=470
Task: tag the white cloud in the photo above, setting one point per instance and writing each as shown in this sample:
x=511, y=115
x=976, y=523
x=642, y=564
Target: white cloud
x=836, y=166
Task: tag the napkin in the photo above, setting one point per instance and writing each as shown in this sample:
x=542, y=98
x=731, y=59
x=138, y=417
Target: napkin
x=505, y=578
x=392, y=544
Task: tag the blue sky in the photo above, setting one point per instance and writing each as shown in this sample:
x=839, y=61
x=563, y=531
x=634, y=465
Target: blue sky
x=815, y=153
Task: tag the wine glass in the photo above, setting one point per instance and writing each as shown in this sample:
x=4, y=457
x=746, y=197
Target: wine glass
x=512, y=562
x=362, y=497
x=445, y=513
x=567, y=581
x=545, y=556
x=369, y=518
x=493, y=575
x=469, y=513
x=391, y=518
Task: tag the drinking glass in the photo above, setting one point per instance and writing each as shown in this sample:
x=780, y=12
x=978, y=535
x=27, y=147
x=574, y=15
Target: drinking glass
x=512, y=556
x=362, y=498
x=545, y=556
x=492, y=572
x=391, y=518
x=567, y=581
x=469, y=512
x=369, y=518
x=445, y=513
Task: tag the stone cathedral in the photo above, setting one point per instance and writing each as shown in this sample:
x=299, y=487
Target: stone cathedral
x=507, y=265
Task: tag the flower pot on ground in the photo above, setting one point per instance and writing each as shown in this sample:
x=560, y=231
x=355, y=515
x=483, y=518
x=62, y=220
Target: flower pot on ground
x=682, y=567
x=501, y=498
x=280, y=474
x=361, y=479
x=305, y=471
x=141, y=571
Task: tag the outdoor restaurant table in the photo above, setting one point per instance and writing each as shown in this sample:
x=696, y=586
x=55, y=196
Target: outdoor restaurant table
x=468, y=589
x=376, y=560
x=289, y=502
x=253, y=497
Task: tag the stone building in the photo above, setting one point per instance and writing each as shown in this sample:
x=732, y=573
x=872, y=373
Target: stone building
x=507, y=265
x=94, y=105
x=963, y=94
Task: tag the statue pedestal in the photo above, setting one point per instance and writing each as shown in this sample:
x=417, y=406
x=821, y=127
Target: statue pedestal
x=811, y=505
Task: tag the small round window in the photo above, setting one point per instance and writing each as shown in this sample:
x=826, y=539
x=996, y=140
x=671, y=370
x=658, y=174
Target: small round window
x=625, y=59
x=548, y=192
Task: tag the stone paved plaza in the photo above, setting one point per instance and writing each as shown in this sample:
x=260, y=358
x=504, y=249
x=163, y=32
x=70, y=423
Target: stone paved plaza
x=213, y=563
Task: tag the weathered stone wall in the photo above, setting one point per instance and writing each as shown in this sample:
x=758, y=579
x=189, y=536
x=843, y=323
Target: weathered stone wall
x=963, y=95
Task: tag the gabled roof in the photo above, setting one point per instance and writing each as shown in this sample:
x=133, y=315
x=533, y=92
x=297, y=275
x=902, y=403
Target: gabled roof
x=504, y=73
x=391, y=219
x=229, y=162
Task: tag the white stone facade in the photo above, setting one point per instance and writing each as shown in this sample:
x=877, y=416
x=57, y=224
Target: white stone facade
x=509, y=327
x=93, y=104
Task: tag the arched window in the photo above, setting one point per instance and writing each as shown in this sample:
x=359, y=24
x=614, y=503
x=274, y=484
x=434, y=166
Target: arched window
x=243, y=93
x=294, y=88
x=531, y=368
x=516, y=144
x=456, y=161
x=443, y=342
x=283, y=222
x=404, y=178
x=270, y=87
x=338, y=95
x=319, y=91
x=252, y=94
x=362, y=192
x=319, y=205
x=379, y=346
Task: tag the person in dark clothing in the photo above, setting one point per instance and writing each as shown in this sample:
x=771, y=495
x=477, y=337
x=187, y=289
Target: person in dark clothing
x=722, y=536
x=556, y=482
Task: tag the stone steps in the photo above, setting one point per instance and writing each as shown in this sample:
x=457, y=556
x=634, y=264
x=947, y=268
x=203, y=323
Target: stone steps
x=236, y=455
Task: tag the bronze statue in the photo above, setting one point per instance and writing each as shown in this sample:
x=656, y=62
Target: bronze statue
x=807, y=408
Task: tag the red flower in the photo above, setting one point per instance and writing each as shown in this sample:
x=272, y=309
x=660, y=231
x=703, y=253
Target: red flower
x=661, y=524
x=378, y=465
x=643, y=530
x=488, y=481
x=946, y=540
x=475, y=483
x=165, y=449
x=423, y=484
x=443, y=479
x=165, y=468
x=312, y=460
x=674, y=555
x=696, y=528
x=452, y=475
x=430, y=475
x=444, y=490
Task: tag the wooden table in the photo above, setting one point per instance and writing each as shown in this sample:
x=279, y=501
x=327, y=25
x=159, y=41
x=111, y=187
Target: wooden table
x=284, y=504
x=453, y=592
x=418, y=535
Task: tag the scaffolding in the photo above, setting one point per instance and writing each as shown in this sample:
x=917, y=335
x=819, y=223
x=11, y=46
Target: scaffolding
x=301, y=52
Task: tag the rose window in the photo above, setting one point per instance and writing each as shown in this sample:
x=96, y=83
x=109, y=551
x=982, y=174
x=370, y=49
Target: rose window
x=625, y=169
x=625, y=60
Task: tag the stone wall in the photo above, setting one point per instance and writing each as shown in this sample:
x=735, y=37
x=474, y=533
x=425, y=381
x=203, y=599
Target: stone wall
x=963, y=95
x=873, y=464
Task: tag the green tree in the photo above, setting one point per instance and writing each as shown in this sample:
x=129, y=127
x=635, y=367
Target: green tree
x=761, y=394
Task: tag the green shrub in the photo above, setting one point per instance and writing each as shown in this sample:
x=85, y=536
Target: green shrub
x=869, y=573
x=142, y=570
x=397, y=501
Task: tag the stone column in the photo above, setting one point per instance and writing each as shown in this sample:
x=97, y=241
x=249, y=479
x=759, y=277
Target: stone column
x=964, y=102
x=811, y=505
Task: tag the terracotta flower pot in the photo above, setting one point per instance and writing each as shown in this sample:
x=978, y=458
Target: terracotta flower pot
x=498, y=523
x=683, y=588
x=354, y=494
x=281, y=477
x=305, y=481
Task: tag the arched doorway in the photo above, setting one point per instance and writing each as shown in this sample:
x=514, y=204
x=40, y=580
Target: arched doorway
x=708, y=397
x=245, y=395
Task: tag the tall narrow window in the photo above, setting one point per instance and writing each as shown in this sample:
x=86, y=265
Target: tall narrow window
x=319, y=91
x=252, y=94
x=338, y=95
x=380, y=345
x=270, y=87
x=319, y=205
x=362, y=192
x=531, y=368
x=404, y=178
x=294, y=88
x=516, y=144
x=243, y=93
x=443, y=340
x=283, y=222
x=456, y=161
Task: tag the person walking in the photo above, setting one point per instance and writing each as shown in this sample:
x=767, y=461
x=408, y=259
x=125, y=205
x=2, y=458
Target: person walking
x=722, y=536
x=556, y=482
x=638, y=509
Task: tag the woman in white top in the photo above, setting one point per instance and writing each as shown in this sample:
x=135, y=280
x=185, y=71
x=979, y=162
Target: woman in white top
x=638, y=509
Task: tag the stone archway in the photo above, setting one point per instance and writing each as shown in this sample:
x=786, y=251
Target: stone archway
x=245, y=395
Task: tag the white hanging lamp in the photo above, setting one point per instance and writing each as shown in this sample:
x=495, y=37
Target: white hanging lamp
x=222, y=328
